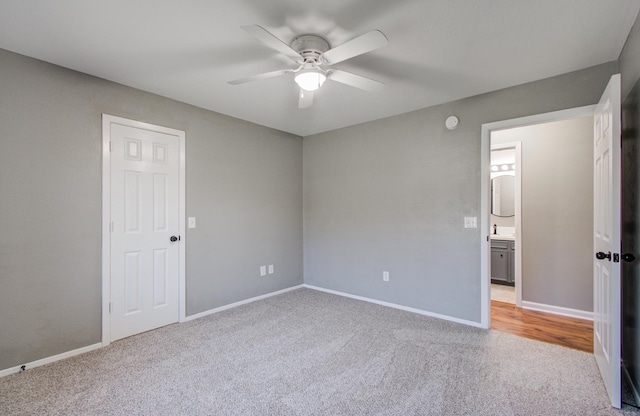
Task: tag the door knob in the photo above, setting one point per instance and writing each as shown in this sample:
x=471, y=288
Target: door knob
x=174, y=238
x=601, y=256
x=628, y=257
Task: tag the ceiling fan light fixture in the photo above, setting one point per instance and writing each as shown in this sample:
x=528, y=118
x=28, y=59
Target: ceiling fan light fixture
x=310, y=79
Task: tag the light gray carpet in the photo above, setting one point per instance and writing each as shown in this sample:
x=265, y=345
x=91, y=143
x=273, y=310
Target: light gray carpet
x=311, y=353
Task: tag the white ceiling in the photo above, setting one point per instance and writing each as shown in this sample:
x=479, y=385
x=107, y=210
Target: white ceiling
x=438, y=51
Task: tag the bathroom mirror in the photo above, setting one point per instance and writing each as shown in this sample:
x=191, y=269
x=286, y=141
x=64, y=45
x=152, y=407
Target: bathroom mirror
x=503, y=203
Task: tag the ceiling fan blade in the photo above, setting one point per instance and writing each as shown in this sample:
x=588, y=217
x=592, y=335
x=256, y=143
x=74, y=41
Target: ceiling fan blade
x=260, y=76
x=273, y=42
x=354, y=80
x=362, y=44
x=306, y=99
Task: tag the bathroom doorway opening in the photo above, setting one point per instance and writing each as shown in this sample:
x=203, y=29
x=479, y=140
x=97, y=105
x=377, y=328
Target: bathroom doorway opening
x=505, y=213
x=539, y=236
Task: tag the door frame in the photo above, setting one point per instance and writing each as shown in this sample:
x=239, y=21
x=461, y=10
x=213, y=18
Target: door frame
x=485, y=186
x=107, y=120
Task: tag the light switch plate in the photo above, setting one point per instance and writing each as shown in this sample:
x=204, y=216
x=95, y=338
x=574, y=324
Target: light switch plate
x=470, y=222
x=192, y=222
x=271, y=269
x=263, y=270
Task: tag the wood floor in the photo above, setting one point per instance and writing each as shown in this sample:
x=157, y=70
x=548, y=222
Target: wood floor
x=556, y=329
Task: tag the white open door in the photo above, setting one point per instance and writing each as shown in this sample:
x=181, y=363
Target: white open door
x=606, y=241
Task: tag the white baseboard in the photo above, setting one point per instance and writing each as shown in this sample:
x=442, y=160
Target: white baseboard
x=239, y=303
x=558, y=310
x=396, y=306
x=633, y=388
x=48, y=360
x=82, y=350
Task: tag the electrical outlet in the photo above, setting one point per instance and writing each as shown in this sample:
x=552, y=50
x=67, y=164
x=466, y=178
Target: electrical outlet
x=385, y=276
x=271, y=269
x=263, y=270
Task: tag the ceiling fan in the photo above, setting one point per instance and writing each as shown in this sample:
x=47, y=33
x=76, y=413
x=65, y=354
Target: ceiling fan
x=313, y=54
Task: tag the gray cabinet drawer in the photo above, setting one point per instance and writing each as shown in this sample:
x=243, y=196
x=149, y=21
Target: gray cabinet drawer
x=503, y=244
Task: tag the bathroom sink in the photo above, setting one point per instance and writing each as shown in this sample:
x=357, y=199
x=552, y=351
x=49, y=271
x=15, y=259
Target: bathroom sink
x=503, y=236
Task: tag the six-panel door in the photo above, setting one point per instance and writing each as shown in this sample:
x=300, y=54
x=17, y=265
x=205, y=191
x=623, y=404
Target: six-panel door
x=144, y=217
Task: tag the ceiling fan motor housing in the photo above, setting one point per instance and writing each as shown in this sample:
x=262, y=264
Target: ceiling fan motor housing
x=310, y=46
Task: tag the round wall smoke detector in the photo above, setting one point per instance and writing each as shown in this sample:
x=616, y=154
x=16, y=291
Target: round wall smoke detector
x=451, y=122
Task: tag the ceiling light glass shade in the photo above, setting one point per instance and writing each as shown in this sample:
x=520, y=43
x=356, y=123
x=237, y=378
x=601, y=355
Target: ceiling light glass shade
x=310, y=79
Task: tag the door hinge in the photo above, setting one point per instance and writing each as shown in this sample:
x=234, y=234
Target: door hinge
x=616, y=257
x=111, y=146
x=111, y=226
x=110, y=307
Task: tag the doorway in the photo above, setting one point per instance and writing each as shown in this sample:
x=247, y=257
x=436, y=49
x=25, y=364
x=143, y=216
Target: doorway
x=505, y=211
x=558, y=188
x=540, y=296
x=143, y=267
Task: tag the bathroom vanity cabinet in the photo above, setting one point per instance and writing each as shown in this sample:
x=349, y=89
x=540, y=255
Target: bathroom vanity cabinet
x=503, y=262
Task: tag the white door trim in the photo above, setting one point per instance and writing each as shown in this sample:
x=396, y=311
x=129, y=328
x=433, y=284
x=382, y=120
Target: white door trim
x=485, y=183
x=107, y=120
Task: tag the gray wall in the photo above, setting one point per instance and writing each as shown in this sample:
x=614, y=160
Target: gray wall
x=557, y=211
x=629, y=60
x=630, y=70
x=244, y=185
x=391, y=195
